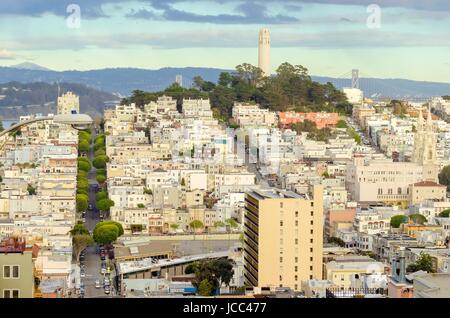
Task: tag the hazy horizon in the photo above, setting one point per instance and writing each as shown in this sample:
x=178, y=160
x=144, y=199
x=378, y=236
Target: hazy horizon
x=397, y=39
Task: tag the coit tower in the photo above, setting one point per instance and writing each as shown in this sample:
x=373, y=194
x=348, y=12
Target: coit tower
x=264, y=51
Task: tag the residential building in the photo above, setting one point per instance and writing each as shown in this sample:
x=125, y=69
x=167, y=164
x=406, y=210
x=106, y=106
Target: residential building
x=283, y=237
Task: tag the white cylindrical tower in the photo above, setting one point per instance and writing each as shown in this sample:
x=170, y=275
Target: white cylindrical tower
x=264, y=51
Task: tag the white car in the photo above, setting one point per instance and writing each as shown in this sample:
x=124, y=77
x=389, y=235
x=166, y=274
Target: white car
x=97, y=284
x=82, y=274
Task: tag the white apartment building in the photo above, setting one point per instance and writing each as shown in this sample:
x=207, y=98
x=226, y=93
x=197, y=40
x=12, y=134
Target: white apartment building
x=246, y=114
x=197, y=108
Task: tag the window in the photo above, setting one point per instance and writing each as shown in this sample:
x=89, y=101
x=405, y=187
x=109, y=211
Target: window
x=312, y=213
x=312, y=231
x=312, y=222
x=399, y=190
x=312, y=203
x=281, y=204
x=296, y=213
x=16, y=271
x=11, y=293
x=296, y=259
x=6, y=272
x=296, y=268
x=281, y=260
x=296, y=223
x=281, y=223
x=296, y=241
x=296, y=278
x=11, y=271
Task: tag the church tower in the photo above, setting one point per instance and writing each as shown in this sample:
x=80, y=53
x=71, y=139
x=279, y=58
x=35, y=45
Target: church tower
x=424, y=152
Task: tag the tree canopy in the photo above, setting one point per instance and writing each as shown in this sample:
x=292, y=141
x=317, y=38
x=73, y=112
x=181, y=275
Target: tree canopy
x=444, y=177
x=423, y=263
x=291, y=88
x=104, y=204
x=396, y=220
x=215, y=273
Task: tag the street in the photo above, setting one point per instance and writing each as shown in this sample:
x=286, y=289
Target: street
x=92, y=259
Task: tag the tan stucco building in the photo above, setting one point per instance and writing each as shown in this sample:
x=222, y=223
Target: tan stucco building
x=283, y=237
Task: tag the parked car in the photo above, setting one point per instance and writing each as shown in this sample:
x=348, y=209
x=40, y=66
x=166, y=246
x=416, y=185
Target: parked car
x=82, y=274
x=90, y=207
x=107, y=290
x=97, y=284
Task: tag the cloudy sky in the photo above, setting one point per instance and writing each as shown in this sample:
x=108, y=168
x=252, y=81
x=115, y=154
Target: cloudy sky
x=406, y=39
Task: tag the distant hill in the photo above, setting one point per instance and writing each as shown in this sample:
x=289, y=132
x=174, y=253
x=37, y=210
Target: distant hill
x=30, y=66
x=123, y=81
x=17, y=99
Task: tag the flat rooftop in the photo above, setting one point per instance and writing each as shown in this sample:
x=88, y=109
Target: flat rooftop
x=438, y=285
x=273, y=193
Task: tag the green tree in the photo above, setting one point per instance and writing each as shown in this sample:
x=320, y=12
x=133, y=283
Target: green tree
x=205, y=288
x=396, y=220
x=223, y=270
x=445, y=213
x=81, y=202
x=31, y=190
x=106, y=234
x=141, y=205
x=82, y=184
x=79, y=229
x=423, y=263
x=83, y=191
x=85, y=136
x=174, y=226
x=100, y=178
x=444, y=177
x=148, y=191
x=342, y=124
x=101, y=195
x=225, y=79
x=84, y=166
x=104, y=204
x=100, y=162
x=100, y=172
x=79, y=243
x=100, y=152
x=336, y=240
x=418, y=218
x=83, y=146
x=219, y=224
x=196, y=224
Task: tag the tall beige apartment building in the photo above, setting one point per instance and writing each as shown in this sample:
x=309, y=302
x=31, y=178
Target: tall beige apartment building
x=283, y=237
x=68, y=103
